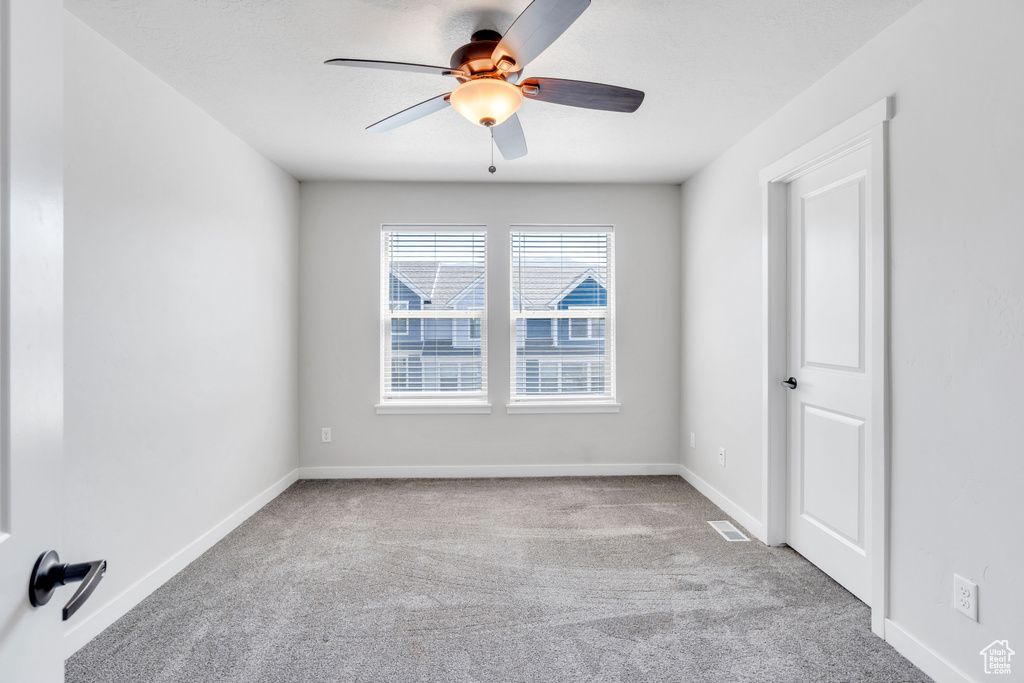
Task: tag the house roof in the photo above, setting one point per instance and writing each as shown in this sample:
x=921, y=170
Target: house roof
x=542, y=284
x=440, y=283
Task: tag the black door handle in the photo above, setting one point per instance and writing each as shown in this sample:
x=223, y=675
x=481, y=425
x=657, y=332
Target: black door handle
x=49, y=573
x=791, y=382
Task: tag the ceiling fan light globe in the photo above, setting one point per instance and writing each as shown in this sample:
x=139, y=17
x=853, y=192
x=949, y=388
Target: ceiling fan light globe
x=486, y=99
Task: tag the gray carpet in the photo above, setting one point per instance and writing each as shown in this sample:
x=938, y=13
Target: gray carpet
x=492, y=580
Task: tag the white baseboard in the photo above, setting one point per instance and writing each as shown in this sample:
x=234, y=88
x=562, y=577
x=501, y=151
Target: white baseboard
x=748, y=522
x=923, y=657
x=87, y=629
x=485, y=471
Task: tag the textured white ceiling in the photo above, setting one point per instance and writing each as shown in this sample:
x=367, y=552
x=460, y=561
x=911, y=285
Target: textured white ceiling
x=712, y=70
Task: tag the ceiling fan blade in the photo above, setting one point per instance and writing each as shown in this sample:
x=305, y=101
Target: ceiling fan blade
x=396, y=66
x=416, y=111
x=582, y=94
x=536, y=28
x=510, y=139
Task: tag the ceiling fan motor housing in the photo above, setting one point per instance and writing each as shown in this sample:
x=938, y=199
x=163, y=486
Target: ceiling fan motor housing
x=475, y=57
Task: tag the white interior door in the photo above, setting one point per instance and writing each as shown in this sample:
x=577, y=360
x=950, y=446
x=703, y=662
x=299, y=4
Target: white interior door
x=829, y=437
x=31, y=334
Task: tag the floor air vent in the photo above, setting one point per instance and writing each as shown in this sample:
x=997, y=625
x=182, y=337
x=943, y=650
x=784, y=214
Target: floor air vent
x=728, y=531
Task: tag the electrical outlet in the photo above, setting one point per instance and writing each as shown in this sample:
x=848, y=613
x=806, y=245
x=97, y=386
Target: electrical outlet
x=693, y=440
x=965, y=596
x=325, y=434
x=721, y=457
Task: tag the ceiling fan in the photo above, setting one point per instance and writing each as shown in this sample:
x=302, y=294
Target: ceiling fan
x=489, y=69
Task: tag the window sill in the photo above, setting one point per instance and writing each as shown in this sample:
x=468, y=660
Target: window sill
x=561, y=407
x=436, y=408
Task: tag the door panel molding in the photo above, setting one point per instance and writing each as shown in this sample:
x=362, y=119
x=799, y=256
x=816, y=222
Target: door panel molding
x=820, y=316
x=818, y=510
x=869, y=128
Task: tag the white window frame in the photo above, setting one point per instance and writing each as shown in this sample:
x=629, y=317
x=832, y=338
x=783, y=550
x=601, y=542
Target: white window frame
x=436, y=402
x=571, y=403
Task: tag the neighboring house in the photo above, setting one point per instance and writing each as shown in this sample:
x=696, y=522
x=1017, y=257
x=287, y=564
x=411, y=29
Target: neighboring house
x=557, y=355
x=560, y=355
x=435, y=354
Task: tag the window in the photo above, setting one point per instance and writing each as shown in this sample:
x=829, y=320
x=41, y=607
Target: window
x=433, y=312
x=467, y=332
x=563, y=316
x=400, y=326
x=541, y=329
x=585, y=328
x=458, y=376
x=399, y=371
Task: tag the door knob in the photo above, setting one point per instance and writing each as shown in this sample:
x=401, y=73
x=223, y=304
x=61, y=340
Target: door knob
x=791, y=382
x=49, y=573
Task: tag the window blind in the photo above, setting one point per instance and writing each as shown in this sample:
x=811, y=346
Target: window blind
x=562, y=315
x=433, y=313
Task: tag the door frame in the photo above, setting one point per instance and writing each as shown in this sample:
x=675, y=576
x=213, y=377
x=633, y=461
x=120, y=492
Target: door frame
x=868, y=128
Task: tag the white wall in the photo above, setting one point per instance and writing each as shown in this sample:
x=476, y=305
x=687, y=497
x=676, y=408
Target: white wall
x=957, y=298
x=181, y=319
x=339, y=329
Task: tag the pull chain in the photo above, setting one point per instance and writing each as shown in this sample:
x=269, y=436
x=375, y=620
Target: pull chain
x=491, y=167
